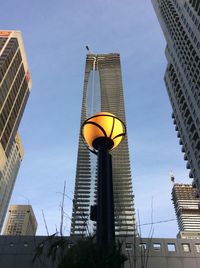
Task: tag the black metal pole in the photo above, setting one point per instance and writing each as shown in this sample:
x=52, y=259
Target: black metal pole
x=105, y=208
x=102, y=195
x=110, y=204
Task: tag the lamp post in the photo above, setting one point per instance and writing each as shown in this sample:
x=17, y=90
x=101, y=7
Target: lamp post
x=103, y=132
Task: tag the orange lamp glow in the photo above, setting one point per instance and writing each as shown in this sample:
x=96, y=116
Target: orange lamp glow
x=103, y=126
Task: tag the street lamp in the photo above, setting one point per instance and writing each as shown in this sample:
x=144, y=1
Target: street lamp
x=103, y=132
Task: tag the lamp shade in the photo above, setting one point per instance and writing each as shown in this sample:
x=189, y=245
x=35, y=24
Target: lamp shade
x=105, y=127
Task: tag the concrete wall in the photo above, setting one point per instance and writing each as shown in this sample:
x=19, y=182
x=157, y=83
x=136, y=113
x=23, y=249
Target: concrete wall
x=18, y=252
x=163, y=253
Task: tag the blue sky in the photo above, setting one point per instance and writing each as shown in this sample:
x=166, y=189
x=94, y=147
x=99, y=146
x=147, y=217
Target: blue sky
x=55, y=34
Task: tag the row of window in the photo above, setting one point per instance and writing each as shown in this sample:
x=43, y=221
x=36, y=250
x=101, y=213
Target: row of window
x=13, y=134
x=192, y=15
x=190, y=29
x=196, y=98
x=188, y=58
x=10, y=100
x=12, y=244
x=183, y=107
x=171, y=247
x=177, y=123
x=9, y=175
x=2, y=42
x=12, y=120
x=9, y=77
x=7, y=56
x=183, y=46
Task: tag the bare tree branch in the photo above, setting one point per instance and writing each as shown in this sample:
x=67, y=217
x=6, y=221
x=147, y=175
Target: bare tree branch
x=45, y=223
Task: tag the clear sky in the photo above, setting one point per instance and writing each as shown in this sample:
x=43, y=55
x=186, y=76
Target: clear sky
x=55, y=34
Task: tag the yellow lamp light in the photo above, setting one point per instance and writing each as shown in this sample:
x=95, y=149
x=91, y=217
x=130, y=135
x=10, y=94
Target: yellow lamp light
x=105, y=127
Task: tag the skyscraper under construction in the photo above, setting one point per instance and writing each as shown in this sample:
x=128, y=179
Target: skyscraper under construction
x=187, y=203
x=103, y=91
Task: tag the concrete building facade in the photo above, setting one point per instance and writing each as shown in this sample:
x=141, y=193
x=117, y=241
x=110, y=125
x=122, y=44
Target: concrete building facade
x=103, y=91
x=21, y=221
x=15, y=85
x=180, y=22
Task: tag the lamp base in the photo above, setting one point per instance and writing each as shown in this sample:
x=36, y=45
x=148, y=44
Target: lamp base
x=103, y=142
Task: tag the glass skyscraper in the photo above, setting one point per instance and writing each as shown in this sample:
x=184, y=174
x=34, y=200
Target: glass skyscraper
x=15, y=85
x=103, y=91
x=180, y=22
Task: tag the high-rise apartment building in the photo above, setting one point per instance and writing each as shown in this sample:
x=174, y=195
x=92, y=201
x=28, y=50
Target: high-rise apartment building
x=187, y=207
x=9, y=175
x=15, y=84
x=103, y=91
x=21, y=221
x=180, y=22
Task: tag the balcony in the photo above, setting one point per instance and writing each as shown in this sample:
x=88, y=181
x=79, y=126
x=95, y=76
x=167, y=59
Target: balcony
x=188, y=165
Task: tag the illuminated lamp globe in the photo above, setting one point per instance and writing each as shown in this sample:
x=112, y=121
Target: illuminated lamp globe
x=103, y=128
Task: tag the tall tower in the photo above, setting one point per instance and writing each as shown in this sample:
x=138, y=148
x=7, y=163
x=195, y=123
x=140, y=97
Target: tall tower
x=180, y=22
x=9, y=175
x=103, y=91
x=21, y=221
x=15, y=84
x=187, y=203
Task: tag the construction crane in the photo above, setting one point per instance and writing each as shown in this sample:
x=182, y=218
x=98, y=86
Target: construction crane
x=172, y=177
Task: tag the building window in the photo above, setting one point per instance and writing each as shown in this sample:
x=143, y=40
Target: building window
x=143, y=246
x=171, y=247
x=128, y=246
x=157, y=246
x=70, y=245
x=197, y=246
x=186, y=247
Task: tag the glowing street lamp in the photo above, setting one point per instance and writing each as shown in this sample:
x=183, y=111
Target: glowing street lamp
x=103, y=132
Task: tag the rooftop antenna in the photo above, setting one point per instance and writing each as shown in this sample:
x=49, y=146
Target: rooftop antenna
x=172, y=177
